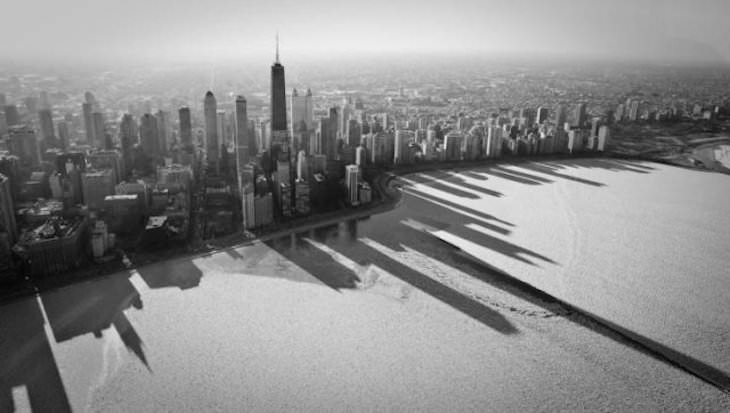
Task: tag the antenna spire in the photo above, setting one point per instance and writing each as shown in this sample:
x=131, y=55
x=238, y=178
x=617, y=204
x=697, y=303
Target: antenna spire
x=277, y=46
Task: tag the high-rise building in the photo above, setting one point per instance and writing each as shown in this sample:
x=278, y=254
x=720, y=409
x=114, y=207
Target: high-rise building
x=278, y=94
x=302, y=166
x=401, y=149
x=354, y=132
x=302, y=110
x=634, y=110
x=8, y=226
x=579, y=115
x=63, y=135
x=23, y=143
x=242, y=141
x=87, y=109
x=96, y=185
x=212, y=145
x=46, y=121
x=110, y=159
x=604, y=135
x=352, y=179
x=560, y=115
x=186, y=129
x=99, y=129
x=127, y=139
x=360, y=156
x=12, y=116
x=542, y=114
x=452, y=146
x=163, y=131
x=149, y=135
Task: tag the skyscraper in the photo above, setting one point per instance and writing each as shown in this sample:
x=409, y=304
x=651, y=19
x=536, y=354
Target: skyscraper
x=579, y=116
x=163, y=131
x=46, y=121
x=12, y=116
x=7, y=213
x=186, y=129
x=24, y=144
x=87, y=109
x=241, y=132
x=148, y=135
x=210, y=108
x=127, y=138
x=278, y=94
x=99, y=129
x=279, y=127
x=352, y=175
x=63, y=135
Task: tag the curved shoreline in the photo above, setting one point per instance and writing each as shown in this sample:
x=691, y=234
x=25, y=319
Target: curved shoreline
x=389, y=198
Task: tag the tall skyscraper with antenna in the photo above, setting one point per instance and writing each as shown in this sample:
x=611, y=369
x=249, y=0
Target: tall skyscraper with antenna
x=279, y=127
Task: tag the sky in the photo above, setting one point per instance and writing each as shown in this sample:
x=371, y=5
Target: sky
x=193, y=30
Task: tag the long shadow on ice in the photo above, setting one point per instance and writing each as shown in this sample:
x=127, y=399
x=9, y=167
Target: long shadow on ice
x=442, y=176
x=26, y=360
x=313, y=260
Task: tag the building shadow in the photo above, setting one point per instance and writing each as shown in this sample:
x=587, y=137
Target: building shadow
x=92, y=307
x=461, y=208
x=451, y=177
x=367, y=255
x=314, y=261
x=474, y=175
x=411, y=180
x=182, y=274
x=520, y=176
x=553, y=170
x=26, y=360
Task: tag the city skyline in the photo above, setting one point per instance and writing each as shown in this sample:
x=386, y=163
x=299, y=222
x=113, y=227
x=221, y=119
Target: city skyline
x=165, y=31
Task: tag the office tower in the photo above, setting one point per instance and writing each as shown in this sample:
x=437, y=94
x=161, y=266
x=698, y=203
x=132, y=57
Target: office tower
x=242, y=140
x=99, y=129
x=3, y=124
x=604, y=135
x=3, y=100
x=333, y=132
x=360, y=156
x=97, y=185
x=542, y=115
x=12, y=116
x=301, y=110
x=302, y=166
x=212, y=145
x=110, y=159
x=127, y=138
x=23, y=143
x=319, y=164
x=575, y=141
x=222, y=128
x=401, y=149
x=452, y=146
x=352, y=178
x=63, y=135
x=579, y=115
x=148, y=135
x=595, y=123
x=8, y=226
x=560, y=115
x=354, y=133
x=279, y=126
x=343, y=119
x=302, y=203
x=88, y=109
x=46, y=121
x=163, y=131
x=186, y=128
x=328, y=138
x=634, y=110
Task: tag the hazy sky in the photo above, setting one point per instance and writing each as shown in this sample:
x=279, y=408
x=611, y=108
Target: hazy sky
x=228, y=29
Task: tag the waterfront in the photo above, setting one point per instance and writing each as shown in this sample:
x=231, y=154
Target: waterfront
x=386, y=313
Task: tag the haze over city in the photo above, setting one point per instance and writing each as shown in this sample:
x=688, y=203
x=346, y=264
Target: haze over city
x=167, y=30
x=229, y=205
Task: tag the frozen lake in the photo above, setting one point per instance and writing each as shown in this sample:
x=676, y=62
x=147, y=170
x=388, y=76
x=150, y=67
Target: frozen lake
x=414, y=309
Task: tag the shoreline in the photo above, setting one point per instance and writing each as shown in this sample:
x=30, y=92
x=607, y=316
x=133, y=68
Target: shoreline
x=389, y=198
